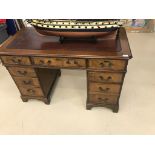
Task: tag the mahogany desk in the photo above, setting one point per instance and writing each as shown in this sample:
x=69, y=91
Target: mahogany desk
x=34, y=62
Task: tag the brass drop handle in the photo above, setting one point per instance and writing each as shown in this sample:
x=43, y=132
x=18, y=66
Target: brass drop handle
x=107, y=79
x=106, y=63
x=27, y=82
x=31, y=91
x=68, y=62
x=49, y=62
x=103, y=99
x=17, y=61
x=104, y=90
x=22, y=72
x=41, y=62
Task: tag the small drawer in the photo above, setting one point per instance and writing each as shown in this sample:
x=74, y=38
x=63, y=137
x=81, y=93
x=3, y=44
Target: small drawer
x=100, y=98
x=26, y=81
x=104, y=88
x=105, y=77
x=16, y=60
x=107, y=64
x=55, y=62
x=75, y=63
x=21, y=71
x=31, y=91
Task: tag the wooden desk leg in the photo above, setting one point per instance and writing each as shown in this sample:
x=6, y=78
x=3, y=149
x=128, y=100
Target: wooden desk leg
x=24, y=99
x=115, y=108
x=46, y=100
x=88, y=106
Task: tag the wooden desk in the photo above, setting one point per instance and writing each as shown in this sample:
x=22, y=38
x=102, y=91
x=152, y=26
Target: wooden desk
x=34, y=62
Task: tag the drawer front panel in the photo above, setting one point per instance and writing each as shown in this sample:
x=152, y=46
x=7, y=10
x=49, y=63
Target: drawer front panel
x=25, y=81
x=77, y=63
x=56, y=62
x=31, y=91
x=104, y=88
x=16, y=60
x=105, y=77
x=100, y=98
x=21, y=71
x=60, y=62
x=107, y=64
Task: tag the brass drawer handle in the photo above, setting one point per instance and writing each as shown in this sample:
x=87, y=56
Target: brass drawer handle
x=107, y=79
x=103, y=99
x=22, y=72
x=17, y=61
x=104, y=90
x=27, y=82
x=31, y=91
x=68, y=62
x=41, y=62
x=49, y=62
x=106, y=63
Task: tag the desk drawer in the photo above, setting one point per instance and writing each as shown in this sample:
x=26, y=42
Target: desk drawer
x=31, y=91
x=55, y=62
x=100, y=98
x=75, y=63
x=27, y=81
x=107, y=64
x=17, y=60
x=21, y=71
x=104, y=88
x=60, y=62
x=105, y=77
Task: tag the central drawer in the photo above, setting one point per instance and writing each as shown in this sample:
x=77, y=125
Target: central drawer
x=71, y=62
x=104, y=88
x=56, y=62
x=60, y=62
